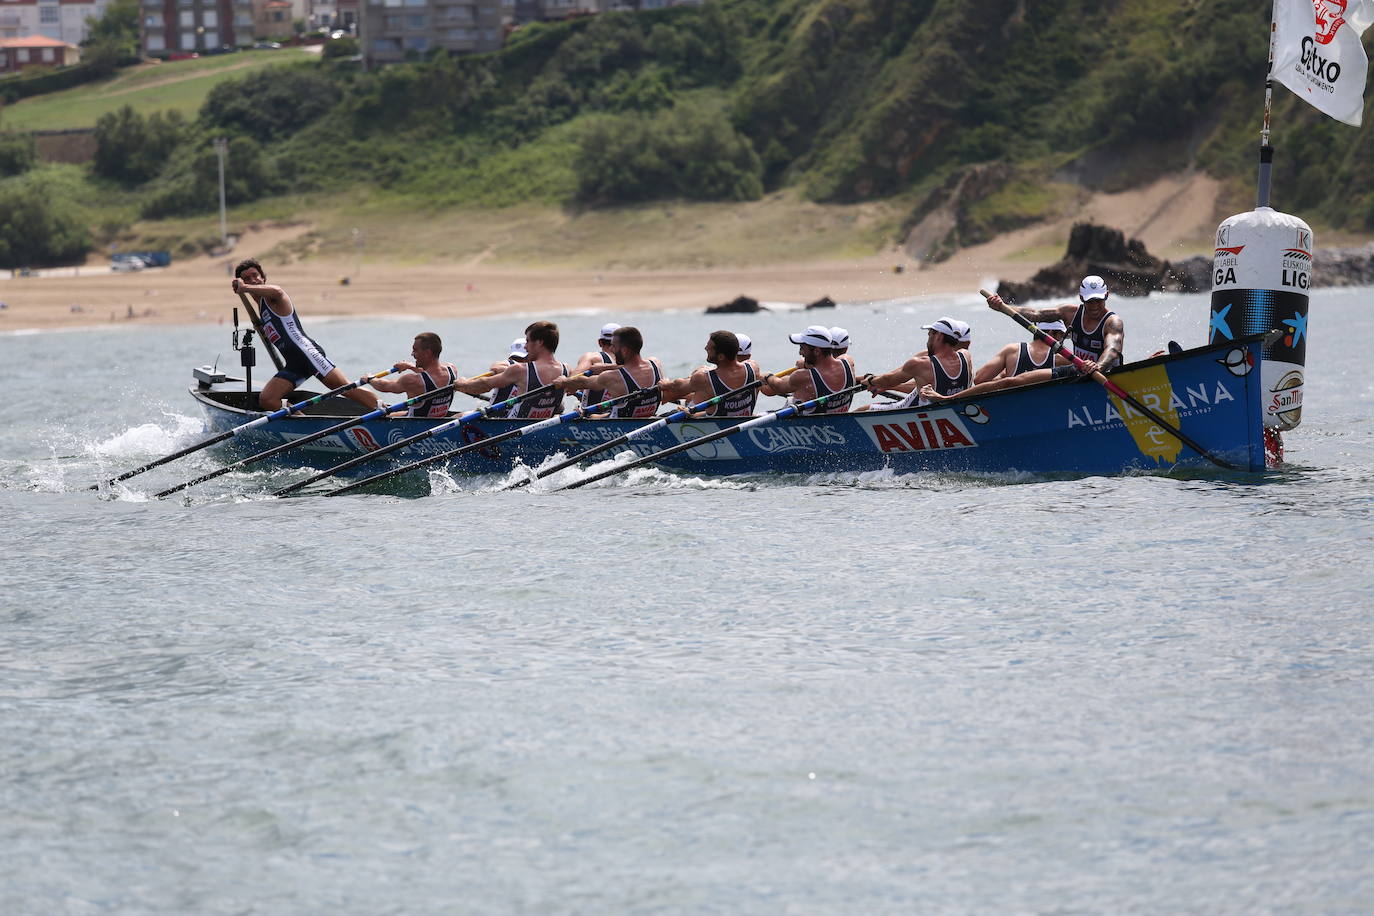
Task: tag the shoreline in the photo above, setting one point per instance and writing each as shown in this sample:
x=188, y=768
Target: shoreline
x=197, y=291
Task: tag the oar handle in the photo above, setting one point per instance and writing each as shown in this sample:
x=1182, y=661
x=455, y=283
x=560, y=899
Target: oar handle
x=257, y=326
x=996, y=303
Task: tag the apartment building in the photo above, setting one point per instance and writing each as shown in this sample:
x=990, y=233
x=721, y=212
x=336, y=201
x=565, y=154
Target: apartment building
x=397, y=30
x=35, y=51
x=63, y=20
x=187, y=26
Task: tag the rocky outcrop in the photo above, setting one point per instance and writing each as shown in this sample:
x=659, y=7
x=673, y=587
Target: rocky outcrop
x=1124, y=263
x=824, y=302
x=1130, y=270
x=1343, y=266
x=738, y=305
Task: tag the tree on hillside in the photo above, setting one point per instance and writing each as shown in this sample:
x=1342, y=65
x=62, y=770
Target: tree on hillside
x=132, y=149
x=270, y=104
x=18, y=153
x=39, y=227
x=112, y=39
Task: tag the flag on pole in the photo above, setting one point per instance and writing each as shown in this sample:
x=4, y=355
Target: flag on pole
x=1318, y=53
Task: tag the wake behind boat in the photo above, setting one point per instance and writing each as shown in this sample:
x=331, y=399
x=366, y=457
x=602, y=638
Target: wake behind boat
x=1212, y=394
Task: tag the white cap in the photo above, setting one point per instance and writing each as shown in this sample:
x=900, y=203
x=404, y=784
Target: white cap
x=607, y=330
x=965, y=330
x=816, y=336
x=517, y=348
x=746, y=346
x=840, y=336
x=1093, y=287
x=951, y=327
x=1056, y=325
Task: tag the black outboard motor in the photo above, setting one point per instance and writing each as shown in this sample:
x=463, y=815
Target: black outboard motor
x=248, y=354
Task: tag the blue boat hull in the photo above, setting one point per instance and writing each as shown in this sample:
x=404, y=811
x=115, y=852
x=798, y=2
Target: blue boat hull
x=1213, y=394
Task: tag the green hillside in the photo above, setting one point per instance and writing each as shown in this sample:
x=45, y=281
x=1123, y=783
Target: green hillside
x=168, y=86
x=828, y=101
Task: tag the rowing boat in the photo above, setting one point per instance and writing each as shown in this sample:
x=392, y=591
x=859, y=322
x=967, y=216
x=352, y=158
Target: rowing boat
x=1213, y=394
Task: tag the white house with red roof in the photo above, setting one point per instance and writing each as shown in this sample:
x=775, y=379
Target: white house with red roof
x=35, y=51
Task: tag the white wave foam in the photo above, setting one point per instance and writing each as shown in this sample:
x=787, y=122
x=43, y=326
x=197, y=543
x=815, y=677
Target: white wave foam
x=149, y=438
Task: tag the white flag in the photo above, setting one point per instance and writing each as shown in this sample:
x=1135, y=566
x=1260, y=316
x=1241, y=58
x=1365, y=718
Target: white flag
x=1318, y=53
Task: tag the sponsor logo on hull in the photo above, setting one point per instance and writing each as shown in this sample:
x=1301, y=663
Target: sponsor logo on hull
x=927, y=430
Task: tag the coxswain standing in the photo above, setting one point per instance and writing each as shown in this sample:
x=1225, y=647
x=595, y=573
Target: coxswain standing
x=420, y=377
x=821, y=374
x=281, y=325
x=1098, y=335
x=632, y=373
x=542, y=368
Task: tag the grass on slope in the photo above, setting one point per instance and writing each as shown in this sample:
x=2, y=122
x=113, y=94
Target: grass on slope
x=780, y=228
x=179, y=85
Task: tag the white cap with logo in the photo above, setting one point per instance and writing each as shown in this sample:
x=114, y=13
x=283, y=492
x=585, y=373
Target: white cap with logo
x=816, y=336
x=517, y=348
x=607, y=330
x=951, y=327
x=840, y=337
x=1056, y=325
x=746, y=346
x=1094, y=287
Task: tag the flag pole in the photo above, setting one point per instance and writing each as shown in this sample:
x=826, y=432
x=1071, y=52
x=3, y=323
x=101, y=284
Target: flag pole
x=1266, y=162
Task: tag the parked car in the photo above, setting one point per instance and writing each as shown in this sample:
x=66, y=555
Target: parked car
x=266, y=45
x=123, y=265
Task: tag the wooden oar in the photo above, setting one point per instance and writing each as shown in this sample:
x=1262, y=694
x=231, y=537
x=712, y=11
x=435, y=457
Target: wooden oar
x=251, y=424
x=640, y=431
x=712, y=437
x=576, y=414
x=303, y=440
x=1057, y=347
x=442, y=428
x=257, y=326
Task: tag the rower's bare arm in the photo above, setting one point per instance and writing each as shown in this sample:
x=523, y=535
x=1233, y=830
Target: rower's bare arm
x=672, y=389
x=782, y=385
x=701, y=390
x=911, y=370
x=409, y=384
x=598, y=368
x=579, y=381
x=510, y=375
x=1113, y=342
x=1047, y=313
x=269, y=291
x=995, y=366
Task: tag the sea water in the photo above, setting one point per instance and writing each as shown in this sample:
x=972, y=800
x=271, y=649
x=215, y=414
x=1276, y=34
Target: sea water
x=832, y=694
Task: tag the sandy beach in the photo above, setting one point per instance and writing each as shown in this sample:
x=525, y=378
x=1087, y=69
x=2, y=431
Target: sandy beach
x=1172, y=213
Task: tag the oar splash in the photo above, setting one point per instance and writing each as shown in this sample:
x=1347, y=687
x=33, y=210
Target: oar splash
x=303, y=440
x=244, y=427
